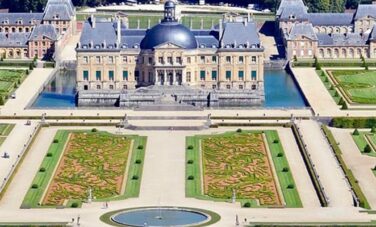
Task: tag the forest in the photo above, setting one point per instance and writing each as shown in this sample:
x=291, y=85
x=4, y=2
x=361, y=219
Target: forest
x=314, y=5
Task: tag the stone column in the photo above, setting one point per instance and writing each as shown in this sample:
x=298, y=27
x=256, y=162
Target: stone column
x=174, y=81
x=156, y=75
x=165, y=77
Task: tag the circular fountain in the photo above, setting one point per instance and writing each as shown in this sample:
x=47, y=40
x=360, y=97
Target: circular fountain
x=160, y=216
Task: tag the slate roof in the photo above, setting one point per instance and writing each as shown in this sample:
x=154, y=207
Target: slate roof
x=66, y=3
x=240, y=33
x=351, y=39
x=365, y=10
x=14, y=39
x=373, y=33
x=296, y=12
x=44, y=30
x=26, y=18
x=103, y=32
x=290, y=3
x=56, y=12
x=302, y=30
x=327, y=19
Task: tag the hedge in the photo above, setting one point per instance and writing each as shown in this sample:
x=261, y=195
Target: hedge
x=349, y=175
x=352, y=122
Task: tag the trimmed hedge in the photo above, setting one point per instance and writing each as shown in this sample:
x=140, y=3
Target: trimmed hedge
x=351, y=122
x=349, y=175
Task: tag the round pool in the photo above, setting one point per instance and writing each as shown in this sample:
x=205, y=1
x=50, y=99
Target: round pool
x=160, y=216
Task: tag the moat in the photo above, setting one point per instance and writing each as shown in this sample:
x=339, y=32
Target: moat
x=281, y=91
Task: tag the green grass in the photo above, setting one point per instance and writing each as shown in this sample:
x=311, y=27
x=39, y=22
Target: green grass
x=10, y=80
x=361, y=142
x=328, y=85
x=359, y=85
x=193, y=187
x=349, y=175
x=34, y=195
x=5, y=130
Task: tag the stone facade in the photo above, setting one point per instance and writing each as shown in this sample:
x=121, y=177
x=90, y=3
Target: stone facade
x=19, y=40
x=327, y=35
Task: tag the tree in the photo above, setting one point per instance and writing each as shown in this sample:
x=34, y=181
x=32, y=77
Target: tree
x=356, y=132
x=367, y=149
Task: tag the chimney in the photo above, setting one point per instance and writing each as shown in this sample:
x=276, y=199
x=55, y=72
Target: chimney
x=92, y=20
x=118, y=31
x=220, y=29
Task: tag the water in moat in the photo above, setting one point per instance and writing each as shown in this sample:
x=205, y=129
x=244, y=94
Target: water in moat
x=281, y=91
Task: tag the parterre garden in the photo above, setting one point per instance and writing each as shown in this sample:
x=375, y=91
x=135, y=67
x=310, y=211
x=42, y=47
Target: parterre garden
x=359, y=86
x=218, y=164
x=5, y=130
x=10, y=80
x=79, y=160
x=365, y=141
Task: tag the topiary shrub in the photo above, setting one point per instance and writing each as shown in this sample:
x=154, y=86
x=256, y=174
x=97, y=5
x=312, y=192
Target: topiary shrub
x=55, y=141
x=135, y=177
x=356, y=132
x=373, y=129
x=191, y=177
x=290, y=186
x=239, y=130
x=94, y=130
x=367, y=149
x=190, y=147
x=276, y=141
x=140, y=147
x=42, y=170
x=344, y=106
x=285, y=169
x=280, y=154
x=247, y=204
x=138, y=161
x=34, y=186
x=190, y=162
x=74, y=205
x=49, y=154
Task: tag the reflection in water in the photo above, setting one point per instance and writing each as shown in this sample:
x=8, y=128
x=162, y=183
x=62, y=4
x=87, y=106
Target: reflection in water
x=280, y=91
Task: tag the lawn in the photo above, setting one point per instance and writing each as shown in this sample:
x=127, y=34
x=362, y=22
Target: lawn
x=79, y=160
x=363, y=139
x=5, y=130
x=358, y=85
x=239, y=161
x=9, y=80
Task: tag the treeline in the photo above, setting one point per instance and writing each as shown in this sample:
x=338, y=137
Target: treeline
x=314, y=5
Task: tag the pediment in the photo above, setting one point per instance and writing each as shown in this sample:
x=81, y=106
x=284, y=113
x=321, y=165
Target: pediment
x=168, y=45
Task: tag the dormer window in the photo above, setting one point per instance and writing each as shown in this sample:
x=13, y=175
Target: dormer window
x=19, y=21
x=6, y=21
x=292, y=17
x=56, y=16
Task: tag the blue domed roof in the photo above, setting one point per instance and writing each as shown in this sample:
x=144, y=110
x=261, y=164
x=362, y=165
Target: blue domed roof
x=169, y=4
x=169, y=32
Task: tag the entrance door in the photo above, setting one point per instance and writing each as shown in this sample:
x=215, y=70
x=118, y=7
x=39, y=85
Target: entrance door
x=170, y=79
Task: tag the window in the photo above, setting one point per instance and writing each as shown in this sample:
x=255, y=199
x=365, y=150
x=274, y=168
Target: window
x=202, y=59
x=125, y=87
x=111, y=87
x=253, y=59
x=253, y=75
x=202, y=75
x=160, y=60
x=241, y=59
x=228, y=75
x=98, y=59
x=125, y=75
x=228, y=86
x=178, y=60
x=150, y=60
x=85, y=75
x=98, y=86
x=189, y=60
x=228, y=59
x=214, y=75
x=241, y=87
x=111, y=75
x=241, y=75
x=36, y=43
x=188, y=77
x=86, y=59
x=169, y=60
x=111, y=59
x=136, y=75
x=214, y=86
x=125, y=59
x=98, y=75
x=253, y=87
x=214, y=59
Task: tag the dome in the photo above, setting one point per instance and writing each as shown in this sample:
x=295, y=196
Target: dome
x=169, y=32
x=169, y=4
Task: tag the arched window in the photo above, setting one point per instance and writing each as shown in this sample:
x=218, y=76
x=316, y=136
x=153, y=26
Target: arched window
x=321, y=53
x=351, y=53
x=329, y=53
x=336, y=53
x=344, y=53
